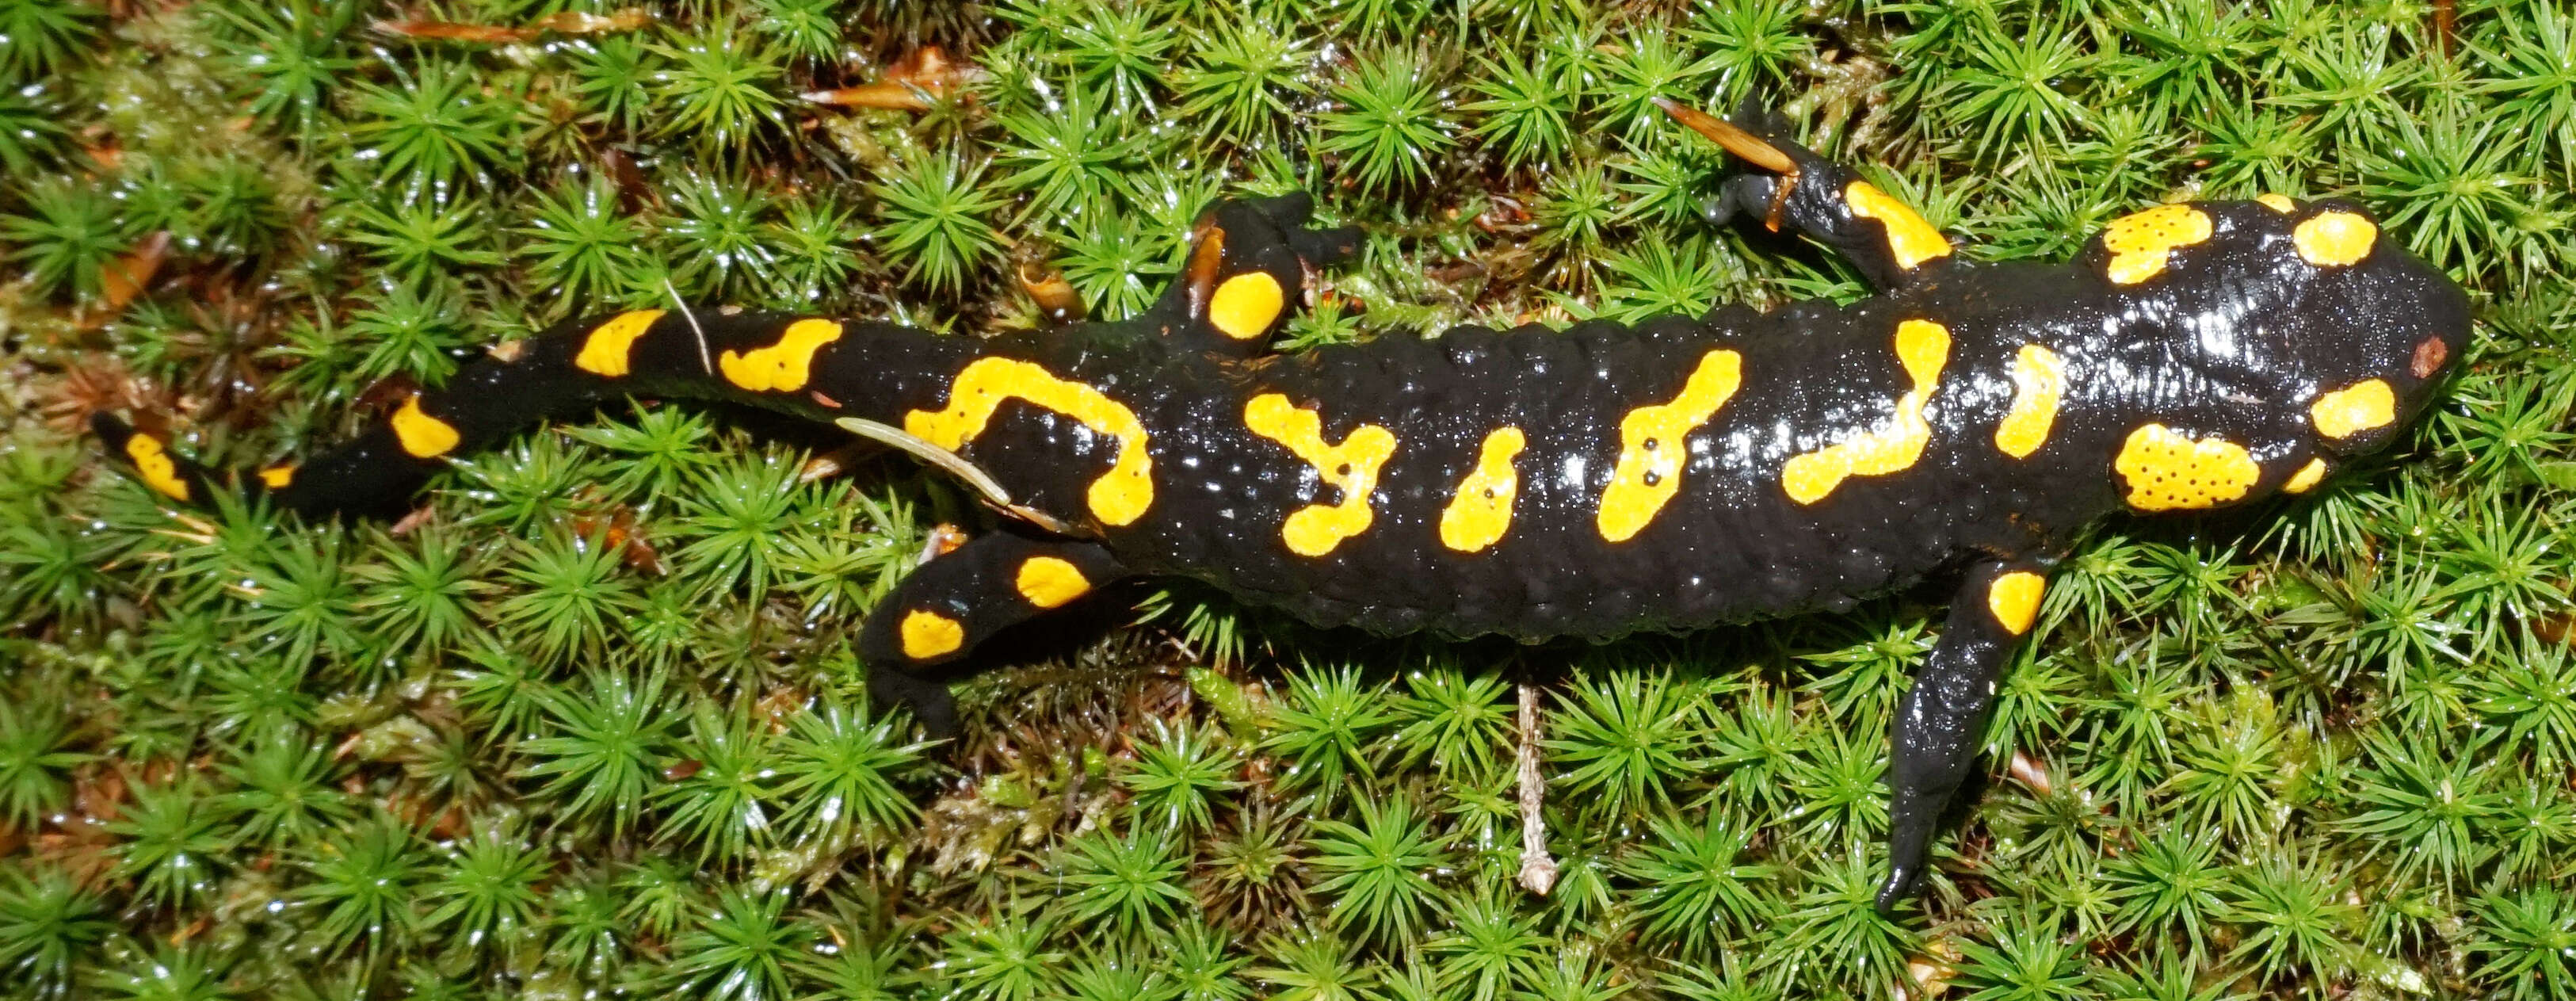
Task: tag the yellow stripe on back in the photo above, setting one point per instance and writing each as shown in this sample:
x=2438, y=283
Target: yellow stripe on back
x=1118, y=497
x=1481, y=512
x=1350, y=467
x=1910, y=240
x=422, y=435
x=2039, y=378
x=1924, y=348
x=1651, y=446
x=154, y=464
x=783, y=367
x=605, y=351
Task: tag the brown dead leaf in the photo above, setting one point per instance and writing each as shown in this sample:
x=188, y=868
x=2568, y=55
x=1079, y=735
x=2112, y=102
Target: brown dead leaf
x=922, y=78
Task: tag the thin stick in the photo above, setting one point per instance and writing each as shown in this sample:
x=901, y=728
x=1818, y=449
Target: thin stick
x=1538, y=869
x=1737, y=141
x=705, y=363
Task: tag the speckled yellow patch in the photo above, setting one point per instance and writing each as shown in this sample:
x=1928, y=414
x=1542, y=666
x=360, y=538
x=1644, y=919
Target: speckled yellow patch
x=2165, y=470
x=1350, y=467
x=2307, y=477
x=422, y=435
x=1244, y=307
x=2363, y=406
x=1481, y=511
x=1923, y=347
x=783, y=367
x=154, y=464
x=929, y=634
x=1651, y=448
x=277, y=477
x=2334, y=239
x=1118, y=497
x=2277, y=203
x=1048, y=582
x=2013, y=599
x=2140, y=241
x=605, y=349
x=1910, y=240
x=2039, y=379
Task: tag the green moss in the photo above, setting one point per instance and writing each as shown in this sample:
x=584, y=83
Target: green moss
x=593, y=724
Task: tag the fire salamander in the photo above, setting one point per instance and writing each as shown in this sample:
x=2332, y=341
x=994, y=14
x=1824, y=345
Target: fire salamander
x=1962, y=424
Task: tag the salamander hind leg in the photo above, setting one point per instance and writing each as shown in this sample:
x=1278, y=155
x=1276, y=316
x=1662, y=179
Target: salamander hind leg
x=1885, y=238
x=1939, y=725
x=954, y=602
x=1246, y=274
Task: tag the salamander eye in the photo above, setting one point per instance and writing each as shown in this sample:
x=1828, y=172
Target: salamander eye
x=2430, y=353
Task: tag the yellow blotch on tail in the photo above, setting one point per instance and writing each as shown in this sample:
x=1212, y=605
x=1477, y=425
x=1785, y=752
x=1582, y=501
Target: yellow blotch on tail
x=783, y=367
x=1893, y=447
x=1651, y=448
x=2306, y=478
x=1910, y=239
x=1118, y=497
x=929, y=634
x=2140, y=241
x=277, y=477
x=2039, y=379
x=2362, y=406
x=2013, y=599
x=422, y=435
x=605, y=350
x=1244, y=307
x=1047, y=582
x=154, y=464
x=1482, y=510
x=1351, y=467
x=2334, y=239
x=2166, y=470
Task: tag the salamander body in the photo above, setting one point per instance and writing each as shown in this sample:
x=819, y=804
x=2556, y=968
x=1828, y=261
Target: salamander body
x=1963, y=424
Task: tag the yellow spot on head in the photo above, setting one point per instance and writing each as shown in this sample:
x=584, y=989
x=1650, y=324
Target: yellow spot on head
x=1047, y=581
x=2349, y=411
x=2334, y=239
x=2014, y=600
x=1482, y=510
x=2166, y=471
x=1118, y=497
x=2277, y=203
x=1910, y=239
x=154, y=464
x=604, y=352
x=1244, y=307
x=2039, y=379
x=277, y=477
x=2306, y=478
x=1893, y=447
x=1651, y=447
x=422, y=435
x=2140, y=241
x=1351, y=467
x=783, y=367
x=930, y=634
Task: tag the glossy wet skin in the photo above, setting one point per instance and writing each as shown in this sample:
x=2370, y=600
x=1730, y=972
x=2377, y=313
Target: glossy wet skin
x=1961, y=426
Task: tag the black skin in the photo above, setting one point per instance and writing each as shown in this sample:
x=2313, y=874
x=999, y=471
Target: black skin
x=2235, y=338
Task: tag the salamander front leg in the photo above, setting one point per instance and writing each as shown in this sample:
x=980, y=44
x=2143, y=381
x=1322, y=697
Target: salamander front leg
x=1246, y=274
x=1885, y=238
x=1944, y=715
x=956, y=600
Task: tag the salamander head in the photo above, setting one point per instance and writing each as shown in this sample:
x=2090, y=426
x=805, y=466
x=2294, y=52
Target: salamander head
x=2302, y=304
x=2309, y=336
